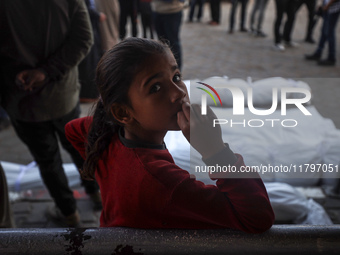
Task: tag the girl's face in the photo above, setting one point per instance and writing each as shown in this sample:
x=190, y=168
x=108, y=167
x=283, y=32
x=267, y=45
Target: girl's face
x=156, y=96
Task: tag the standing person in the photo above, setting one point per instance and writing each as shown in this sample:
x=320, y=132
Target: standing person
x=311, y=6
x=234, y=5
x=330, y=14
x=146, y=16
x=196, y=4
x=287, y=7
x=143, y=97
x=168, y=19
x=109, y=29
x=42, y=42
x=128, y=8
x=215, y=10
x=259, y=8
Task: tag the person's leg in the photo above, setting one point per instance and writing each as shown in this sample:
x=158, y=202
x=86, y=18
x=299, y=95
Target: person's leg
x=262, y=9
x=280, y=5
x=133, y=17
x=311, y=5
x=172, y=24
x=234, y=4
x=144, y=24
x=192, y=9
x=149, y=21
x=324, y=34
x=218, y=11
x=122, y=19
x=244, y=4
x=288, y=28
x=200, y=4
x=255, y=9
x=42, y=142
x=159, y=27
x=90, y=187
x=322, y=40
x=333, y=19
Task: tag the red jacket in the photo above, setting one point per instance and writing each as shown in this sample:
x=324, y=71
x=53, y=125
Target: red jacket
x=144, y=188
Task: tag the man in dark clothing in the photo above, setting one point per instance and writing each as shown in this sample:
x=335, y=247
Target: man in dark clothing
x=311, y=6
x=287, y=7
x=42, y=42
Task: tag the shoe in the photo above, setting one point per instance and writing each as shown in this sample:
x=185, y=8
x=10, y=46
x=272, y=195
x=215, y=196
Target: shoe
x=260, y=34
x=291, y=44
x=279, y=47
x=314, y=56
x=230, y=31
x=326, y=62
x=243, y=30
x=72, y=220
x=310, y=40
x=96, y=199
x=213, y=23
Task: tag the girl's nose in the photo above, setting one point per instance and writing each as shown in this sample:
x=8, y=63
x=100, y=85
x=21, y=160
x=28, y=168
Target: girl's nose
x=177, y=92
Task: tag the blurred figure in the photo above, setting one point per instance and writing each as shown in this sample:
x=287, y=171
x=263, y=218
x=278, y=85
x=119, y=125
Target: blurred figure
x=215, y=11
x=234, y=4
x=259, y=8
x=128, y=8
x=330, y=12
x=196, y=4
x=42, y=42
x=146, y=16
x=311, y=6
x=109, y=29
x=287, y=7
x=6, y=219
x=87, y=67
x=168, y=20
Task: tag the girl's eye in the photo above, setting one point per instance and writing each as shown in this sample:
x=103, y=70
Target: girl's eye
x=177, y=78
x=155, y=88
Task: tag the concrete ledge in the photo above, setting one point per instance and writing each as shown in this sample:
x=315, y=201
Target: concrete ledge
x=280, y=239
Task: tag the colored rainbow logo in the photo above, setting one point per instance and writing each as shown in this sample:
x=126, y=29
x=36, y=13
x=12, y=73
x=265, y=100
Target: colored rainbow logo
x=209, y=93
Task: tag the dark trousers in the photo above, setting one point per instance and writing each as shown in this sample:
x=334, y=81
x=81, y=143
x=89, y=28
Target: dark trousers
x=193, y=5
x=128, y=8
x=282, y=7
x=215, y=8
x=41, y=139
x=146, y=17
x=259, y=8
x=311, y=6
x=233, y=12
x=328, y=35
x=167, y=26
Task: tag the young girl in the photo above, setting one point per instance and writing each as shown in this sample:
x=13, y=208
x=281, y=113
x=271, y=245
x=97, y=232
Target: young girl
x=142, y=97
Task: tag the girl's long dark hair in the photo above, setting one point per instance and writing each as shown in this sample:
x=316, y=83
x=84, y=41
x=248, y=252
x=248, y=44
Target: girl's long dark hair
x=114, y=74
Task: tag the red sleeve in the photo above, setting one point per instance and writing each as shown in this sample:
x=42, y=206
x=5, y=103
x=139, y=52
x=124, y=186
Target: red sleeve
x=76, y=132
x=240, y=203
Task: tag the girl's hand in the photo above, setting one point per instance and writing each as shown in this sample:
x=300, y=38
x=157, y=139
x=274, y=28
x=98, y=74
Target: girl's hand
x=198, y=129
